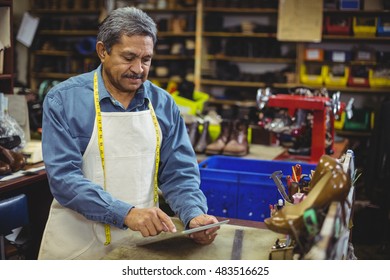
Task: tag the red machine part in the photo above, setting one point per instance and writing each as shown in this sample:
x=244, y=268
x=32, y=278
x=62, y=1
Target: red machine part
x=319, y=106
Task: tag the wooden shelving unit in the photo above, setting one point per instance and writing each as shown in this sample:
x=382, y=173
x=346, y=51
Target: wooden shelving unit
x=7, y=73
x=200, y=60
x=53, y=55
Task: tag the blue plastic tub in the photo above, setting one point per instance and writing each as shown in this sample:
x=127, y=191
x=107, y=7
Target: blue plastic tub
x=243, y=188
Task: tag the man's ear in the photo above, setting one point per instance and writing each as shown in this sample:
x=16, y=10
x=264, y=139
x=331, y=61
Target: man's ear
x=101, y=50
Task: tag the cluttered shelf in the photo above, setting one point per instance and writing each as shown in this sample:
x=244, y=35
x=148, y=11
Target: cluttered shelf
x=25, y=179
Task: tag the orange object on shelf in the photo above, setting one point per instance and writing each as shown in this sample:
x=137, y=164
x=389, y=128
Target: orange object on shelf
x=314, y=54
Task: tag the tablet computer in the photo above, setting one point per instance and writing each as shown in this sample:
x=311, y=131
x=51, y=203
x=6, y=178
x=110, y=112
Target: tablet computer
x=168, y=235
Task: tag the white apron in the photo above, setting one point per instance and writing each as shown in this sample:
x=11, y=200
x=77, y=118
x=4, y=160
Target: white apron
x=130, y=154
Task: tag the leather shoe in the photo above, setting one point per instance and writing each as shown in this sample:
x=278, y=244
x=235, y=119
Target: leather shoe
x=238, y=143
x=329, y=183
x=204, y=139
x=15, y=160
x=218, y=145
x=5, y=168
x=193, y=132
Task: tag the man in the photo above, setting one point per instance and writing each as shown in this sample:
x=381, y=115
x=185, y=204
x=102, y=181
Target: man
x=110, y=139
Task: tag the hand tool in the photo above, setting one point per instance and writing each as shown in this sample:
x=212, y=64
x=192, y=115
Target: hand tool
x=297, y=172
x=276, y=177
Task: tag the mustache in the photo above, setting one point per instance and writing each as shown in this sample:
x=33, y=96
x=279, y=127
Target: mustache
x=133, y=76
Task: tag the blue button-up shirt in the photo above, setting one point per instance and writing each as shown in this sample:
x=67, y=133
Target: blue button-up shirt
x=68, y=120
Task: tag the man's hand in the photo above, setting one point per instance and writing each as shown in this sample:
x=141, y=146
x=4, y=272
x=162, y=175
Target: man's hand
x=149, y=221
x=206, y=236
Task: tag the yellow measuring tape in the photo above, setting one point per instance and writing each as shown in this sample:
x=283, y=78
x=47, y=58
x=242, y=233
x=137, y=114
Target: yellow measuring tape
x=101, y=148
x=157, y=161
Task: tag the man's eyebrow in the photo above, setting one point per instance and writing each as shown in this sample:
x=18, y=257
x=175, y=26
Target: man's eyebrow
x=130, y=53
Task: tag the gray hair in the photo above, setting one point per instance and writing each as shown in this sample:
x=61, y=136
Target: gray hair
x=127, y=21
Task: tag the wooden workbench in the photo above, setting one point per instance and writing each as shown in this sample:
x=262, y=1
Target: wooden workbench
x=256, y=244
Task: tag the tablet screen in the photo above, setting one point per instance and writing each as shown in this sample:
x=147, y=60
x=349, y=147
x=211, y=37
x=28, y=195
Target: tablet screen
x=169, y=235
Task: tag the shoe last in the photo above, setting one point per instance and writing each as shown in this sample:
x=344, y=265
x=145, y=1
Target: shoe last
x=15, y=160
x=330, y=184
x=5, y=168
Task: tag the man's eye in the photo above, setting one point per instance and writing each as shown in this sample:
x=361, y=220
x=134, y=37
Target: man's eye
x=129, y=58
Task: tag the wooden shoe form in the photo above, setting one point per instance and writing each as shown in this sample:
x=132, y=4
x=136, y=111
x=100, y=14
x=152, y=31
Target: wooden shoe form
x=15, y=160
x=5, y=168
x=331, y=184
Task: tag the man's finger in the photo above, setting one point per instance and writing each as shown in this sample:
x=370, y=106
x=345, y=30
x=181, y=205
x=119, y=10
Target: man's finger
x=152, y=228
x=144, y=231
x=166, y=221
x=212, y=230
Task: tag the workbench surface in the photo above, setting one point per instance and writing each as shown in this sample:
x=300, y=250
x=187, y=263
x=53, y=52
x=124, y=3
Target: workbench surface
x=256, y=245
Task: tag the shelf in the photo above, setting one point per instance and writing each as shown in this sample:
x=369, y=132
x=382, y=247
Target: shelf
x=354, y=38
x=231, y=83
x=201, y=37
x=65, y=11
x=356, y=12
x=352, y=62
x=349, y=133
x=172, y=57
x=240, y=10
x=209, y=82
x=251, y=59
x=5, y=76
x=233, y=102
x=161, y=80
x=68, y=32
x=176, y=10
x=238, y=35
x=52, y=75
x=5, y=2
x=356, y=90
x=61, y=53
x=173, y=34
x=286, y=85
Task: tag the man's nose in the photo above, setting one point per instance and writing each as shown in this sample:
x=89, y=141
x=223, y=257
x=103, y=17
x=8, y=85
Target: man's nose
x=136, y=66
